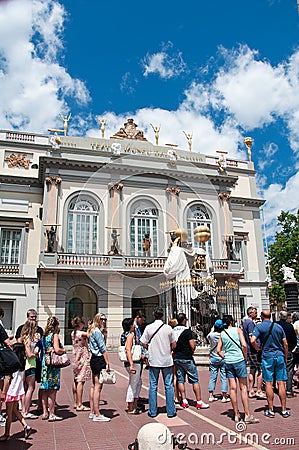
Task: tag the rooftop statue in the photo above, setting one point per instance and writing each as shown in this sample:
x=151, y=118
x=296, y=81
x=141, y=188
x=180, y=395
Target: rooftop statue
x=129, y=131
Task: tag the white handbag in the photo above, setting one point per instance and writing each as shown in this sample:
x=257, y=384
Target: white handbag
x=107, y=377
x=136, y=353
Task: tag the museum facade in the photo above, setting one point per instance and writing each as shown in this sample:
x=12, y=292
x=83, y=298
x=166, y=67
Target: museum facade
x=75, y=212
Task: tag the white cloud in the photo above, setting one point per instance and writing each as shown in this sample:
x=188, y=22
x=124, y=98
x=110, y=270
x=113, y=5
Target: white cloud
x=280, y=198
x=34, y=86
x=166, y=63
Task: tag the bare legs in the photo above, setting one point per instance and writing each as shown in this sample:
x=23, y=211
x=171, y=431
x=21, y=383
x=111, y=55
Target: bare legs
x=78, y=393
x=244, y=395
x=96, y=392
x=12, y=408
x=281, y=393
x=30, y=381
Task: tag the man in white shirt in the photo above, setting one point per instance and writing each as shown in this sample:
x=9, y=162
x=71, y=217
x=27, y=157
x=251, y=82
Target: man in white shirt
x=160, y=341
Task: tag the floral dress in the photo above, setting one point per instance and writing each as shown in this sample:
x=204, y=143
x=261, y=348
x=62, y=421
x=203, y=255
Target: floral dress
x=81, y=357
x=50, y=378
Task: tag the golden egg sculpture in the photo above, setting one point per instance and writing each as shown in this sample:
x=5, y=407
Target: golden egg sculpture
x=202, y=234
x=182, y=234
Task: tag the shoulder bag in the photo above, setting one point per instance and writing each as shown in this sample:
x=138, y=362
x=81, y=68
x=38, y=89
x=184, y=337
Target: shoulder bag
x=9, y=362
x=260, y=352
x=54, y=360
x=136, y=353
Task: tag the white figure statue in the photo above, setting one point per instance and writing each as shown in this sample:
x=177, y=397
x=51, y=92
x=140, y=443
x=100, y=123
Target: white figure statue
x=288, y=273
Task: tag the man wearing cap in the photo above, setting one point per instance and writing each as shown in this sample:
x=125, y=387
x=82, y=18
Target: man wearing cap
x=217, y=364
x=274, y=357
x=292, y=343
x=184, y=362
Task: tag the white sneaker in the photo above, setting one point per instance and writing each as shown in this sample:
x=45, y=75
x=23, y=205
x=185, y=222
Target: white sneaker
x=213, y=399
x=225, y=400
x=202, y=405
x=100, y=419
x=91, y=415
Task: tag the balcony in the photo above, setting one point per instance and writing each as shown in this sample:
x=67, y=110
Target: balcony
x=71, y=261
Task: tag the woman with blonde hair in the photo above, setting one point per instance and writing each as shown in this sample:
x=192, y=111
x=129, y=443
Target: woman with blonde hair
x=28, y=339
x=98, y=362
x=50, y=379
x=81, y=361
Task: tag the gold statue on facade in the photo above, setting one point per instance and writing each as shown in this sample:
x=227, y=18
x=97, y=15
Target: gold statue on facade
x=102, y=122
x=156, y=131
x=189, y=137
x=65, y=120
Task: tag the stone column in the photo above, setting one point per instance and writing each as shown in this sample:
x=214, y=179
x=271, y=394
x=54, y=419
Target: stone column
x=115, y=308
x=228, y=228
x=173, y=196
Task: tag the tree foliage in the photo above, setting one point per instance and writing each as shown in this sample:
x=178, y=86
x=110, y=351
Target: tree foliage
x=284, y=250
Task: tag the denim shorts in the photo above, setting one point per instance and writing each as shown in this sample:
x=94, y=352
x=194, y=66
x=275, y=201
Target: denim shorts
x=186, y=367
x=274, y=368
x=30, y=372
x=236, y=370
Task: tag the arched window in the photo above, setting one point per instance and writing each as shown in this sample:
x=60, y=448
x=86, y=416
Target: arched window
x=144, y=219
x=199, y=215
x=83, y=225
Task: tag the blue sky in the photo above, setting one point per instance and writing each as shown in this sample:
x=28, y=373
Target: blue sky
x=222, y=70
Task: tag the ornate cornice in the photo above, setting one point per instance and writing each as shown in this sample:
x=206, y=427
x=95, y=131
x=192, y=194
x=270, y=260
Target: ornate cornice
x=247, y=201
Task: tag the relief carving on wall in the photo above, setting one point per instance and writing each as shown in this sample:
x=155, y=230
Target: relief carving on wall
x=18, y=160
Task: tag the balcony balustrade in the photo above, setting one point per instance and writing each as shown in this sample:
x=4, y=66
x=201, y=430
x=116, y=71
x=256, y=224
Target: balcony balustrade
x=9, y=269
x=122, y=263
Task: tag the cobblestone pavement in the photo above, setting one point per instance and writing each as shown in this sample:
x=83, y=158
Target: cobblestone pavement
x=212, y=428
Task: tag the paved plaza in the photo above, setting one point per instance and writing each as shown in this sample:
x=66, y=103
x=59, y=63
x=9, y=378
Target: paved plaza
x=208, y=429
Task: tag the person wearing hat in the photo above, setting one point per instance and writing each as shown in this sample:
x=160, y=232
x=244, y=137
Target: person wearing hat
x=216, y=364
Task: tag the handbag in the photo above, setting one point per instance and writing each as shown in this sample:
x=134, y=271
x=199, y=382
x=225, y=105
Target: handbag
x=9, y=362
x=136, y=353
x=107, y=377
x=55, y=360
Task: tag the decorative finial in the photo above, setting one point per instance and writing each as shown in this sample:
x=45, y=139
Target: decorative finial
x=248, y=142
x=156, y=131
x=189, y=137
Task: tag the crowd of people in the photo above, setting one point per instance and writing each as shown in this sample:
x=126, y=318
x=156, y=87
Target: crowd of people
x=259, y=353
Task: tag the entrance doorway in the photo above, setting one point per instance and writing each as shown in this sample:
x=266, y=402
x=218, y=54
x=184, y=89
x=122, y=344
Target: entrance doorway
x=81, y=300
x=146, y=299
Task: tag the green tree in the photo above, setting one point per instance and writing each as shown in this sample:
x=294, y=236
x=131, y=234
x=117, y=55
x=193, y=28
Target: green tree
x=284, y=250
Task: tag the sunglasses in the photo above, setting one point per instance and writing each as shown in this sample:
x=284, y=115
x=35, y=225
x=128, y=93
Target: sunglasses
x=103, y=318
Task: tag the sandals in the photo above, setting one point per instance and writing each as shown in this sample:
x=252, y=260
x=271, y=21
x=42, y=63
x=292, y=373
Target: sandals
x=82, y=408
x=45, y=417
